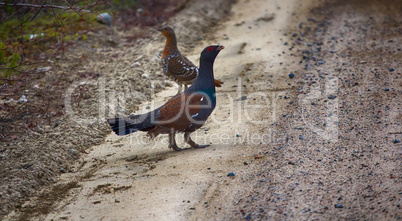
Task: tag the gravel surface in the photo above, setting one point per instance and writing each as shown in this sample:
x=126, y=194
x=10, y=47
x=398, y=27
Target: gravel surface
x=333, y=155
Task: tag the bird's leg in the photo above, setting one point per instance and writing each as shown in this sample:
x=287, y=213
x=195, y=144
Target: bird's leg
x=180, y=86
x=185, y=87
x=188, y=140
x=172, y=141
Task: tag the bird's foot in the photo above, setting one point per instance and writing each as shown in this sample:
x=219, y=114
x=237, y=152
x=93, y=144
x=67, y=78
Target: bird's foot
x=175, y=147
x=199, y=146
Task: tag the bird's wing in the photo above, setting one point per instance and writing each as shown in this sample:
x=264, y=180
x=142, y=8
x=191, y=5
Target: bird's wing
x=181, y=69
x=179, y=111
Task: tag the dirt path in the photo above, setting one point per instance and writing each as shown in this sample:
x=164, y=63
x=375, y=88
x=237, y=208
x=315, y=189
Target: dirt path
x=159, y=184
x=258, y=131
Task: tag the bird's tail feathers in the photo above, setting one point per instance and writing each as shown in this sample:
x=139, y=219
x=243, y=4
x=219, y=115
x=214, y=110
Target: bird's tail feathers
x=218, y=83
x=123, y=126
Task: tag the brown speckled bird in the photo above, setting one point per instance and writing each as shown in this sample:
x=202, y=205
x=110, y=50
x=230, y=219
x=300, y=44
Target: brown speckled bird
x=177, y=66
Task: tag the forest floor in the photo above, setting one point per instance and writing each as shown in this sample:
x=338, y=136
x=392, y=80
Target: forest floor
x=308, y=121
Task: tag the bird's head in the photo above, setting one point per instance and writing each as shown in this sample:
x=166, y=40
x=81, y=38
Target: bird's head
x=167, y=31
x=210, y=52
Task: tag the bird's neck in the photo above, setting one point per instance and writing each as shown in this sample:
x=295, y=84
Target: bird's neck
x=205, y=79
x=170, y=46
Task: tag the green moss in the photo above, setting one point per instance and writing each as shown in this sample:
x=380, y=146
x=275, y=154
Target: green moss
x=76, y=36
x=13, y=61
x=67, y=38
x=2, y=53
x=119, y=4
x=36, y=35
x=46, y=26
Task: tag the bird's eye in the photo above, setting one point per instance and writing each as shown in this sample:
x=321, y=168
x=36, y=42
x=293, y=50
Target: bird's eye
x=210, y=49
x=166, y=29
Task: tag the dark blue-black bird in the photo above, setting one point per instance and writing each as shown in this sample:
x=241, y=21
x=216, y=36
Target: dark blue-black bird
x=185, y=112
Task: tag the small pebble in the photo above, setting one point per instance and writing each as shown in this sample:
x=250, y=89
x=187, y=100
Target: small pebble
x=117, y=201
x=135, y=64
x=291, y=75
x=57, y=123
x=391, y=70
x=231, y=174
x=104, y=18
x=339, y=206
x=73, y=151
x=245, y=163
x=63, y=170
x=242, y=98
x=386, y=89
x=131, y=158
x=43, y=69
x=23, y=99
x=396, y=141
x=331, y=97
x=145, y=75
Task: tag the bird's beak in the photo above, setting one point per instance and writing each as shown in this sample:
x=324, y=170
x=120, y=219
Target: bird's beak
x=221, y=47
x=160, y=29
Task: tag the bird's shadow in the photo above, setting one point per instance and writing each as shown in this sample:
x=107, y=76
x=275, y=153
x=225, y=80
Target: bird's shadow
x=160, y=155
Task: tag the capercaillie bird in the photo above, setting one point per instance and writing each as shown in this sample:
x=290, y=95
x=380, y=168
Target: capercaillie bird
x=186, y=112
x=175, y=65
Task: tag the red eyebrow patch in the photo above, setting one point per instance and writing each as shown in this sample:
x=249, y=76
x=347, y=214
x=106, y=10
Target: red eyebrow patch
x=210, y=49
